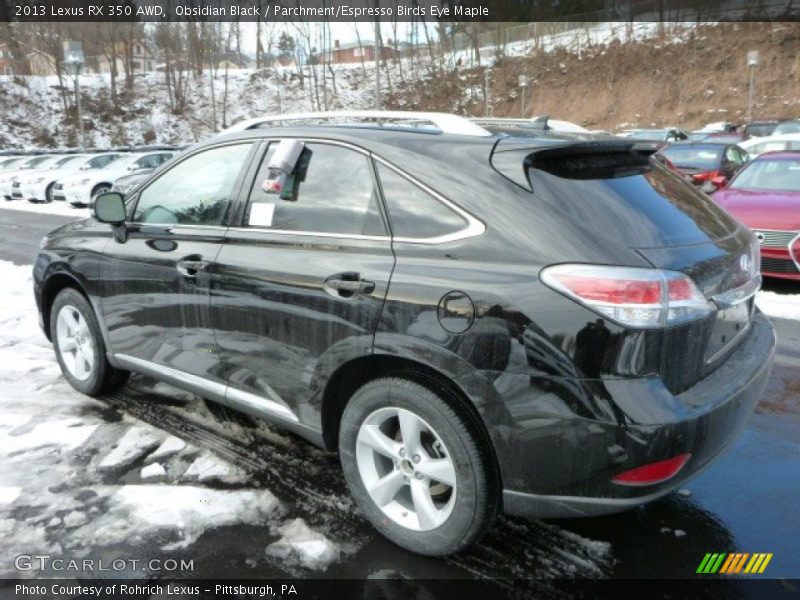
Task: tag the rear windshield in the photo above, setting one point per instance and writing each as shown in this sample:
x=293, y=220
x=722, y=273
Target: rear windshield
x=765, y=174
x=760, y=129
x=788, y=127
x=694, y=157
x=646, y=205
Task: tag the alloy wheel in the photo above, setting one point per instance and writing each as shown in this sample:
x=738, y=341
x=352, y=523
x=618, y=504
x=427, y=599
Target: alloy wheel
x=75, y=342
x=406, y=469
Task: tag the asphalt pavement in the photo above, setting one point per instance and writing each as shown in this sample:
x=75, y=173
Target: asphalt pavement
x=745, y=502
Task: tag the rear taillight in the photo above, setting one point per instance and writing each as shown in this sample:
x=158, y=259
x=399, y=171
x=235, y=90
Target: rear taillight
x=634, y=297
x=653, y=473
x=705, y=175
x=794, y=250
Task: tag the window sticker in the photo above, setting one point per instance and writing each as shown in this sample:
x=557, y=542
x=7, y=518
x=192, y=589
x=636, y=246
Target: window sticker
x=261, y=214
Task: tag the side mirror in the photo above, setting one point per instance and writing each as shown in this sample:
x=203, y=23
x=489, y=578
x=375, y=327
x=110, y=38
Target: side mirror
x=110, y=208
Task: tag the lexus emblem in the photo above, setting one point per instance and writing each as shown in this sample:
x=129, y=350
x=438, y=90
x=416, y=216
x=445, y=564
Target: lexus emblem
x=759, y=237
x=744, y=263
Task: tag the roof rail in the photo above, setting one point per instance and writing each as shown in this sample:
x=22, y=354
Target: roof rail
x=444, y=122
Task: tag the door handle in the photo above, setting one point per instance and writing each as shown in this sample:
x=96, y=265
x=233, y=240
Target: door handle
x=191, y=266
x=347, y=285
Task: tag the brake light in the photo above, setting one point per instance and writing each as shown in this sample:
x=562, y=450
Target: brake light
x=634, y=297
x=653, y=473
x=705, y=175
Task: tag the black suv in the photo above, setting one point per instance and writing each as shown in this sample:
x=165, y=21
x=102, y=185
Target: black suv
x=477, y=323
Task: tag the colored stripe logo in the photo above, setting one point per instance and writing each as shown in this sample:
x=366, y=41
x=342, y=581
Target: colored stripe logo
x=734, y=563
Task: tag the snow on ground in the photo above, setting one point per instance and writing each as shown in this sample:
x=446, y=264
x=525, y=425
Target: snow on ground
x=184, y=510
x=780, y=306
x=304, y=546
x=71, y=480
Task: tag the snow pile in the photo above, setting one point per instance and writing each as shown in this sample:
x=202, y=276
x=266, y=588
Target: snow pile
x=133, y=445
x=186, y=511
x=780, y=306
x=303, y=546
x=209, y=467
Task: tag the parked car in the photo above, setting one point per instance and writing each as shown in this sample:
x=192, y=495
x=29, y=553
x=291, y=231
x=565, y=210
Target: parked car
x=127, y=183
x=669, y=134
x=765, y=196
x=761, y=128
x=525, y=127
x=9, y=176
x=787, y=127
x=476, y=323
x=708, y=165
x=731, y=137
x=774, y=143
x=79, y=190
x=40, y=186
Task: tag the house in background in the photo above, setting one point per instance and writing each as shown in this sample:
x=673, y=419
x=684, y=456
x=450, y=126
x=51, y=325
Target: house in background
x=353, y=52
x=230, y=60
x=143, y=60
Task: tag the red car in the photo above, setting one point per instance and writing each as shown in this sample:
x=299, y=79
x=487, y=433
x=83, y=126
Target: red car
x=765, y=196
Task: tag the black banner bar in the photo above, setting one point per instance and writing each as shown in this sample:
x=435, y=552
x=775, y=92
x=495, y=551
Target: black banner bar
x=398, y=10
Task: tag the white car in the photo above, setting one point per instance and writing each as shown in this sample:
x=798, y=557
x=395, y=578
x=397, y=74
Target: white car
x=80, y=190
x=39, y=186
x=9, y=176
x=771, y=143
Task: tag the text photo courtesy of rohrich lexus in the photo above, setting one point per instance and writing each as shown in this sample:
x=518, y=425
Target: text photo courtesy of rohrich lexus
x=420, y=299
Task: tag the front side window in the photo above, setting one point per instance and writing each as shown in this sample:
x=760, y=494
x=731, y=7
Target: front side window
x=413, y=212
x=197, y=191
x=331, y=190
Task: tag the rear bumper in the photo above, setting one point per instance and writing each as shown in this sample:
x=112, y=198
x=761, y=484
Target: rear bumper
x=577, y=458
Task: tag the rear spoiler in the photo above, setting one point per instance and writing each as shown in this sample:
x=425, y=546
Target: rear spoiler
x=513, y=157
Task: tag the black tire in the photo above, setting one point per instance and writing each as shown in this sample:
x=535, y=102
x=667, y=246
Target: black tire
x=100, y=188
x=477, y=501
x=103, y=377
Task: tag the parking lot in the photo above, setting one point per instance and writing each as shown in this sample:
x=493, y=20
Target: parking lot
x=247, y=500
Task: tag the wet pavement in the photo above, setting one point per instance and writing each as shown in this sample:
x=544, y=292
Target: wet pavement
x=744, y=502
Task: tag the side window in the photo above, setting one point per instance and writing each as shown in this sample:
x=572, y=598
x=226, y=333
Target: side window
x=413, y=212
x=196, y=191
x=331, y=190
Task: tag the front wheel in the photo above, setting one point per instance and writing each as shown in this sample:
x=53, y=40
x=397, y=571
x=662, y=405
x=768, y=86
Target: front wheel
x=79, y=346
x=416, y=467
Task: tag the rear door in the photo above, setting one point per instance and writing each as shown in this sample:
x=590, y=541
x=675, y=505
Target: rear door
x=299, y=285
x=156, y=277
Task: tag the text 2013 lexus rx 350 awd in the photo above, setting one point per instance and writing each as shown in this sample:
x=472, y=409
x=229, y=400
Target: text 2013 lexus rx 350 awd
x=476, y=323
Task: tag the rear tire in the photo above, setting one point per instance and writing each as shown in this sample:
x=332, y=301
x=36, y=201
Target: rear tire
x=417, y=468
x=79, y=346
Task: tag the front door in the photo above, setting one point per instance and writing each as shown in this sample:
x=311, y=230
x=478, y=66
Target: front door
x=156, y=277
x=298, y=288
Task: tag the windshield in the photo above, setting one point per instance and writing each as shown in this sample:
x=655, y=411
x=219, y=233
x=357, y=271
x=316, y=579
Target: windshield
x=10, y=162
x=66, y=160
x=760, y=129
x=694, y=157
x=35, y=162
x=99, y=162
x=788, y=127
x=767, y=174
x=649, y=134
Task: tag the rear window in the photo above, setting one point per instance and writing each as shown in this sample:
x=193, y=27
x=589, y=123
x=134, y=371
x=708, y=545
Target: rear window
x=694, y=157
x=760, y=129
x=768, y=174
x=789, y=127
x=649, y=205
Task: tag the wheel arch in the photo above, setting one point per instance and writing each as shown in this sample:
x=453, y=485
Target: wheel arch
x=50, y=289
x=353, y=374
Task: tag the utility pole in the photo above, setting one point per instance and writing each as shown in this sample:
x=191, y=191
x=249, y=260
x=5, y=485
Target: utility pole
x=752, y=63
x=524, y=82
x=487, y=94
x=377, y=64
x=73, y=60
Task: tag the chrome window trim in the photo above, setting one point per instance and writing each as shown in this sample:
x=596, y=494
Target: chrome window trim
x=269, y=405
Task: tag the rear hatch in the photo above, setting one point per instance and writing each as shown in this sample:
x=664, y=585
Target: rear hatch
x=614, y=191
